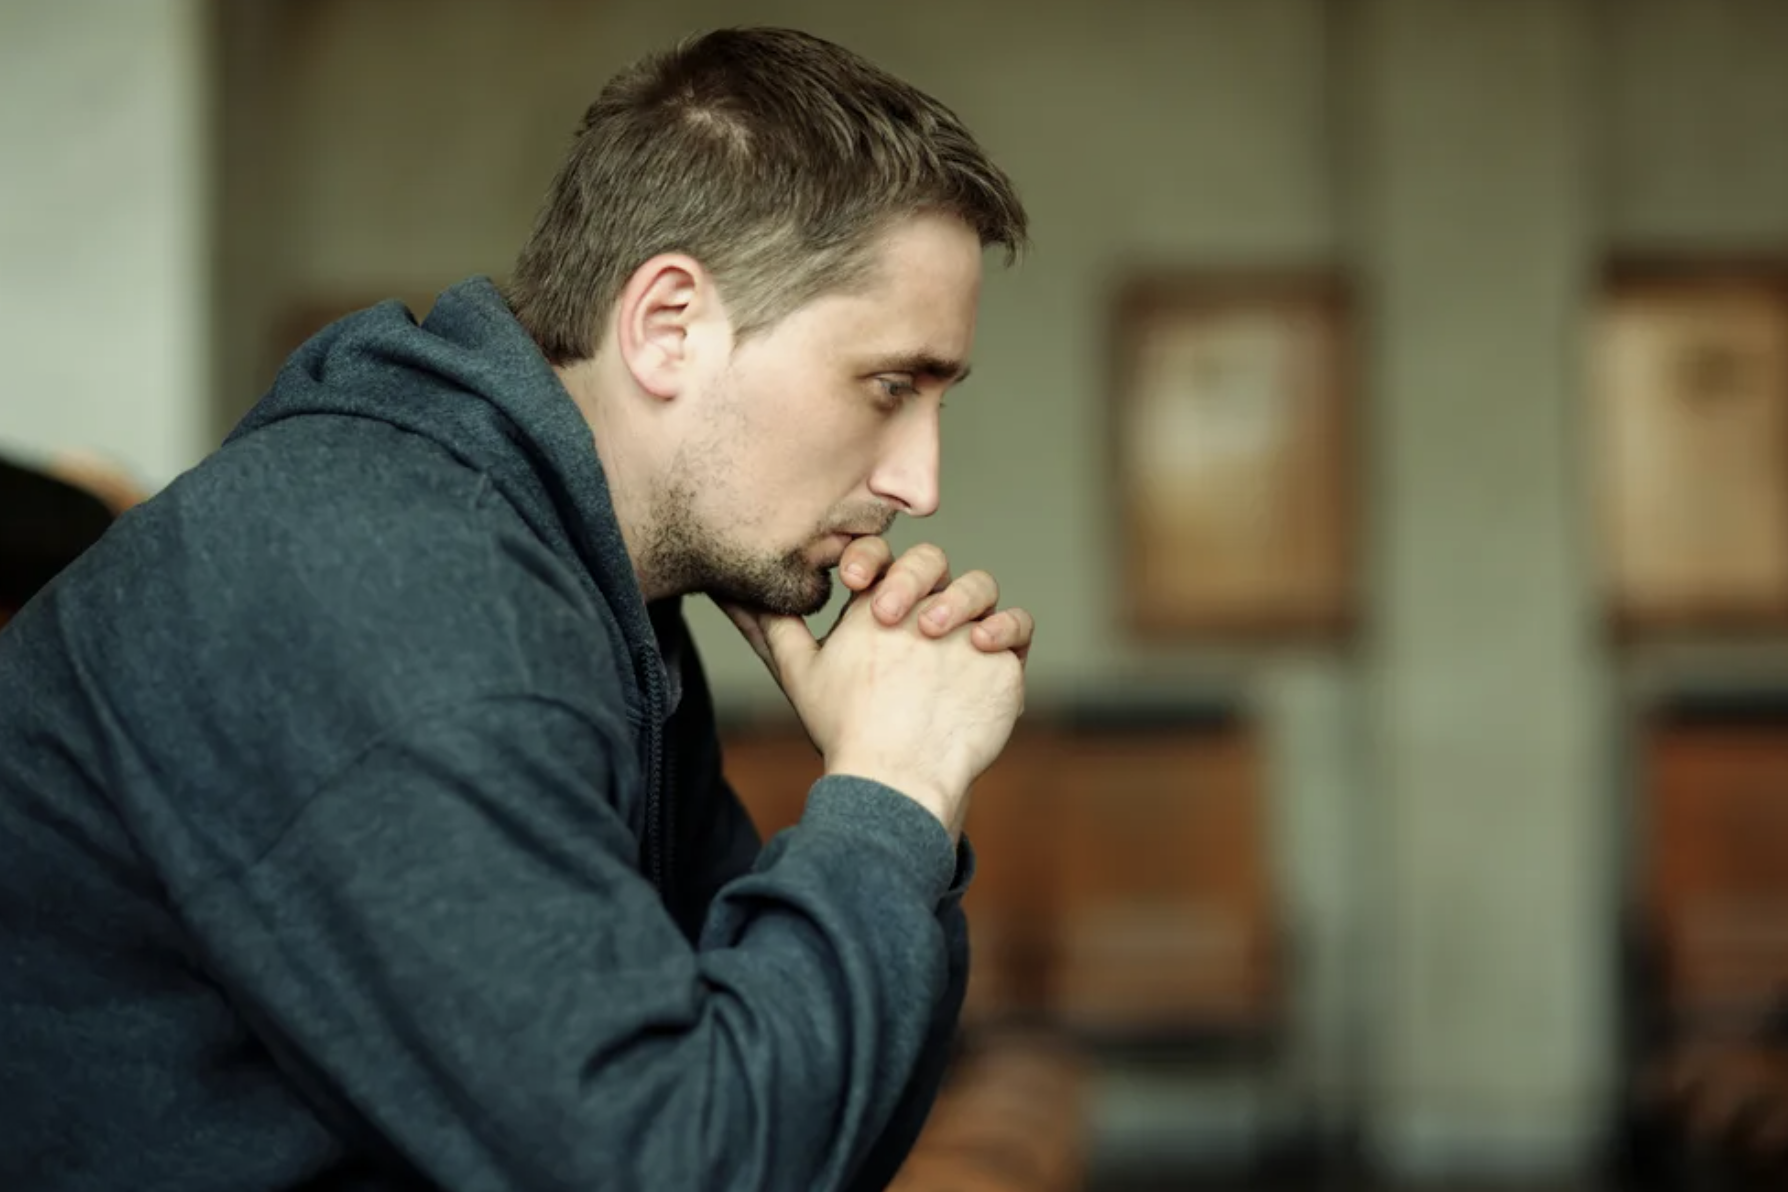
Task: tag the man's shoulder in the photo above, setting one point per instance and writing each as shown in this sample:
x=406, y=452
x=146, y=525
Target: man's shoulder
x=393, y=561
x=331, y=472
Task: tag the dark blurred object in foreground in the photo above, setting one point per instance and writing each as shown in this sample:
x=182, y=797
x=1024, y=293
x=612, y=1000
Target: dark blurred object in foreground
x=46, y=521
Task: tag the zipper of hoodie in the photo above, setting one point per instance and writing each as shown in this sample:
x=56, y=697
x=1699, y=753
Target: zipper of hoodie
x=667, y=819
x=655, y=846
x=658, y=801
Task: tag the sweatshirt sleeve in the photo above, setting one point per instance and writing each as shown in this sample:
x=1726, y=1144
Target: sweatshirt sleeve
x=725, y=848
x=453, y=938
x=916, y=1102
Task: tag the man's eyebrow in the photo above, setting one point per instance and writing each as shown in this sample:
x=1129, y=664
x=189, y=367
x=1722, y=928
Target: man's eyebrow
x=924, y=364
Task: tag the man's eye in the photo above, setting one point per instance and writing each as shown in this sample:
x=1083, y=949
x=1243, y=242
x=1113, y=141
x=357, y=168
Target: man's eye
x=897, y=389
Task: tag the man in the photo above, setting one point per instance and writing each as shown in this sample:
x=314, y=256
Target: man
x=361, y=814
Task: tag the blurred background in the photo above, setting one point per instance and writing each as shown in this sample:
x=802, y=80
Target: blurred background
x=1389, y=432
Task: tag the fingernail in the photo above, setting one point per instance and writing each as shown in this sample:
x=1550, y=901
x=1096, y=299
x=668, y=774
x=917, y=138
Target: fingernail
x=937, y=616
x=854, y=571
x=887, y=604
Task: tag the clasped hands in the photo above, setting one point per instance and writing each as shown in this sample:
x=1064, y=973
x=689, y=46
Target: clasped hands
x=918, y=684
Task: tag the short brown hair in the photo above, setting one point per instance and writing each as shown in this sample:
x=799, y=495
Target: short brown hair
x=773, y=157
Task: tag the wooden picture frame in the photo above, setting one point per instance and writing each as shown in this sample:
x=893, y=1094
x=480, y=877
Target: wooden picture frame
x=1688, y=394
x=1233, y=456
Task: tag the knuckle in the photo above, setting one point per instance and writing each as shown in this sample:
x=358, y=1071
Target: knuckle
x=928, y=554
x=981, y=582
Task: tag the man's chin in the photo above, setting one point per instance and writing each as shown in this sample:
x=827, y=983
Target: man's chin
x=785, y=600
x=811, y=604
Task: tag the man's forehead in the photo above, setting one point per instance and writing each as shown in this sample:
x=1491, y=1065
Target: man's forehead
x=900, y=318
x=931, y=339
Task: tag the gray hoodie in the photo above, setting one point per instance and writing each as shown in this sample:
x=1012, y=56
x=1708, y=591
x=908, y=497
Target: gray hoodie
x=356, y=833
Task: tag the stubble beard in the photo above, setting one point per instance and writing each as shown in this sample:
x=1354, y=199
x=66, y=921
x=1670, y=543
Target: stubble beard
x=689, y=556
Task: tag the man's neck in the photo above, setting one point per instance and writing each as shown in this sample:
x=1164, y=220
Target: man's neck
x=626, y=472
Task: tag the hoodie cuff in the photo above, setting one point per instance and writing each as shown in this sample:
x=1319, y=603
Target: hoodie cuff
x=892, y=824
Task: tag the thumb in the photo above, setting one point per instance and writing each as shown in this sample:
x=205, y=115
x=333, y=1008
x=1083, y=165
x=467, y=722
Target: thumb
x=779, y=642
x=790, y=642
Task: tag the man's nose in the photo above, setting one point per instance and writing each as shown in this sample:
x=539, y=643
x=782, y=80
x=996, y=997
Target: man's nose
x=907, y=476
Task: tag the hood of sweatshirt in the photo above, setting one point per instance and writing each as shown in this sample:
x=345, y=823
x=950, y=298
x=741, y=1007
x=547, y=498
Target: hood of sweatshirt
x=470, y=379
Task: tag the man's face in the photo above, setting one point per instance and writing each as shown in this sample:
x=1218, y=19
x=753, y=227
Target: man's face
x=822, y=428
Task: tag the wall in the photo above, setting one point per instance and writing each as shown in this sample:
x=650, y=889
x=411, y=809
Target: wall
x=104, y=286
x=1488, y=771
x=1695, y=109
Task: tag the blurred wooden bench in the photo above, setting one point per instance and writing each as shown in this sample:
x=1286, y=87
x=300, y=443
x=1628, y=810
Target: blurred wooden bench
x=770, y=766
x=1123, y=888
x=1165, y=923
x=1012, y=1117
x=1714, y=868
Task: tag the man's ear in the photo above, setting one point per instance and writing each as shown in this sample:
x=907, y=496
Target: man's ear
x=655, y=318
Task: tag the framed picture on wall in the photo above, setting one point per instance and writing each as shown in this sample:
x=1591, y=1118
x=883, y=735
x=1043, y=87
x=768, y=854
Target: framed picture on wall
x=1688, y=390
x=1233, y=464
